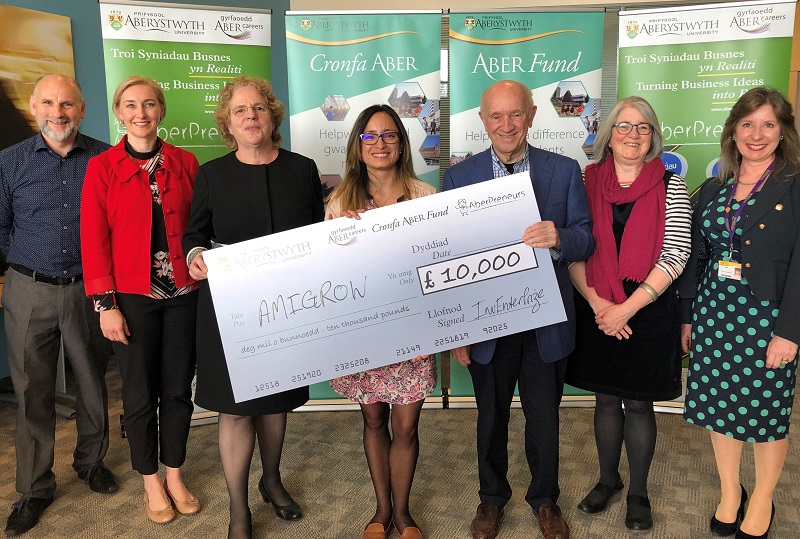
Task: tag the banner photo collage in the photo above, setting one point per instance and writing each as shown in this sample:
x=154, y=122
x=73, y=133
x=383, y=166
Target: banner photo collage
x=191, y=53
x=693, y=63
x=557, y=55
x=343, y=63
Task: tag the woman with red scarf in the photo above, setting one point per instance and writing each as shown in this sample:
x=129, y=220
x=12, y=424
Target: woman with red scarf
x=628, y=316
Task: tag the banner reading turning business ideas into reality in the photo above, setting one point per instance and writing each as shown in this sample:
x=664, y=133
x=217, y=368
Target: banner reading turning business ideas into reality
x=343, y=63
x=693, y=63
x=557, y=55
x=191, y=52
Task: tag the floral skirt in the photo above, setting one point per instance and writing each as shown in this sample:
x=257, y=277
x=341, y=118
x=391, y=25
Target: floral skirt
x=399, y=383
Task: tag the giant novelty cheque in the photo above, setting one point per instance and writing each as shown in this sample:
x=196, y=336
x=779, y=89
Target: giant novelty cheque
x=409, y=279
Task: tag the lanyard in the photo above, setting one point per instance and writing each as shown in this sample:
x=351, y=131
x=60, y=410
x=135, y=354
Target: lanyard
x=731, y=220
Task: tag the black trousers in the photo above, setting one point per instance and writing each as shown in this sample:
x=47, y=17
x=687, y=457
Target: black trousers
x=157, y=366
x=517, y=359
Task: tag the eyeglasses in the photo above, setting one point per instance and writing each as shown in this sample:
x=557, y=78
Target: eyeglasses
x=623, y=128
x=390, y=137
x=259, y=108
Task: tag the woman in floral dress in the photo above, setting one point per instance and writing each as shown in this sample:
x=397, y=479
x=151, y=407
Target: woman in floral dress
x=379, y=172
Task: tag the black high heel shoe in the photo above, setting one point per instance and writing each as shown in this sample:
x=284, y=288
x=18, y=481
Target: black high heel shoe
x=742, y=535
x=291, y=511
x=725, y=529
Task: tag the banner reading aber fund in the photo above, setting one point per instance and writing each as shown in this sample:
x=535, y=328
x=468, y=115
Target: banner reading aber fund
x=341, y=64
x=693, y=63
x=557, y=55
x=191, y=52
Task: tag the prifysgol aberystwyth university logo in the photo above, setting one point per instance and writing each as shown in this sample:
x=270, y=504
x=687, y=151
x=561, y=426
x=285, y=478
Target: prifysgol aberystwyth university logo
x=115, y=20
x=632, y=29
x=469, y=22
x=305, y=24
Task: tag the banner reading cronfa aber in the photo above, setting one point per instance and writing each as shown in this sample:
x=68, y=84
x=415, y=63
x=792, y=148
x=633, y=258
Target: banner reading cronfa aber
x=557, y=55
x=693, y=63
x=343, y=63
x=191, y=52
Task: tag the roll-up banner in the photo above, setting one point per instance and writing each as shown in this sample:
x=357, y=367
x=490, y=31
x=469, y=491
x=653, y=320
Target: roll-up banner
x=341, y=63
x=191, y=52
x=557, y=55
x=693, y=63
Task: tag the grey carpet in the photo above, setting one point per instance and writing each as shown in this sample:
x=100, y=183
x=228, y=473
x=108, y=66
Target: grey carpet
x=324, y=469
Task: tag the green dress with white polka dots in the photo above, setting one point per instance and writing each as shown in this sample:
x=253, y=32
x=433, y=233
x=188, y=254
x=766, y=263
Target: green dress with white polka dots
x=729, y=388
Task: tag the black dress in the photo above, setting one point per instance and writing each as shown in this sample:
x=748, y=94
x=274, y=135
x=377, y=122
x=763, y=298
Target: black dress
x=645, y=367
x=235, y=202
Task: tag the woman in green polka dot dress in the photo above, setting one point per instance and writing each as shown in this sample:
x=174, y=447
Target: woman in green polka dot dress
x=741, y=292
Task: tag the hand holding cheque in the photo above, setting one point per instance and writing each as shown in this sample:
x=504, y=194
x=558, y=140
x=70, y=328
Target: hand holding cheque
x=433, y=274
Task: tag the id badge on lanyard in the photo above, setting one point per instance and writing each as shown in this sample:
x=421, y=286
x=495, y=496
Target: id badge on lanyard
x=728, y=267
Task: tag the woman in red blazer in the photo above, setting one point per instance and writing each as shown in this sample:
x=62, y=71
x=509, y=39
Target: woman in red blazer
x=134, y=209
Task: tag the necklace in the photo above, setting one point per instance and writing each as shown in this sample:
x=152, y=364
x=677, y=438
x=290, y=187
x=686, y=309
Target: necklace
x=746, y=183
x=385, y=200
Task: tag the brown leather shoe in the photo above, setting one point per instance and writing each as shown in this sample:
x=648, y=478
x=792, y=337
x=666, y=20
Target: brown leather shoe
x=375, y=530
x=486, y=523
x=551, y=523
x=411, y=532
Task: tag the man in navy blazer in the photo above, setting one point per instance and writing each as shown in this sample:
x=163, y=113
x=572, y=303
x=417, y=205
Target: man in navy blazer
x=535, y=359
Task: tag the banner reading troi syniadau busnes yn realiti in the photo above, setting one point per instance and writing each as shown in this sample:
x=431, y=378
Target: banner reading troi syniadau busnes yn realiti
x=692, y=64
x=191, y=53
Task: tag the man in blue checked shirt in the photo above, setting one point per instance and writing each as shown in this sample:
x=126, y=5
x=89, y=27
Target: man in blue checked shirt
x=44, y=300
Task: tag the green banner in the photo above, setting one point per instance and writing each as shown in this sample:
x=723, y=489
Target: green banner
x=693, y=63
x=341, y=64
x=557, y=55
x=191, y=53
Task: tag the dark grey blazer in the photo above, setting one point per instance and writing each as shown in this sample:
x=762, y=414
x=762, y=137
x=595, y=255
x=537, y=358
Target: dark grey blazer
x=770, y=251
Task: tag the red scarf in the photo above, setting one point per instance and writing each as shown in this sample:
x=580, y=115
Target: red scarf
x=644, y=232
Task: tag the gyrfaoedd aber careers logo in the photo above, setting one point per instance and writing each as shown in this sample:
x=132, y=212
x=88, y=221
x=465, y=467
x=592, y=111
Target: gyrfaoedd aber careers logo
x=238, y=26
x=346, y=236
